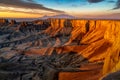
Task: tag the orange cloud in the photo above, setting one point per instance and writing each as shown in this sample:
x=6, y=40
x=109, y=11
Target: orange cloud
x=22, y=12
x=18, y=15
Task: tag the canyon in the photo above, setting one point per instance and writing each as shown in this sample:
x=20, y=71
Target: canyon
x=59, y=49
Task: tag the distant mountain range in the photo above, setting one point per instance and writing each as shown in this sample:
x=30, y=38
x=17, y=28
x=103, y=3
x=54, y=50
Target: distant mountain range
x=66, y=16
x=59, y=16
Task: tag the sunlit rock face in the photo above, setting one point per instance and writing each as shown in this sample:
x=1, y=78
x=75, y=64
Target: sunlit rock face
x=91, y=41
x=103, y=43
x=56, y=26
x=101, y=37
x=112, y=62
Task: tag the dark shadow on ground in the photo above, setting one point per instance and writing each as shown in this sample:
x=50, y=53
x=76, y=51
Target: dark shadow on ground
x=46, y=67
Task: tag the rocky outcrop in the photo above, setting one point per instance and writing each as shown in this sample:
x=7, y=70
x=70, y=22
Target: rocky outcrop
x=3, y=21
x=99, y=36
x=12, y=22
x=96, y=40
x=30, y=27
x=93, y=73
x=21, y=66
x=113, y=76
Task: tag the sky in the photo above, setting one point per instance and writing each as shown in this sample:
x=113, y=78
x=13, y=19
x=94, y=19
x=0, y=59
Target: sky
x=78, y=8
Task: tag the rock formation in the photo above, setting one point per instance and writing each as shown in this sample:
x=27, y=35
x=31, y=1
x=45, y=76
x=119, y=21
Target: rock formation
x=12, y=22
x=3, y=21
x=67, y=43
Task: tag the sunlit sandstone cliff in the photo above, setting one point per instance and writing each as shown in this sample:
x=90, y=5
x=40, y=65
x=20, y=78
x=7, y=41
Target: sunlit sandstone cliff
x=101, y=39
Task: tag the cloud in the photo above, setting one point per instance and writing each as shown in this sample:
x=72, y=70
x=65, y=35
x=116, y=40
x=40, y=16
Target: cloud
x=117, y=5
x=19, y=11
x=111, y=1
x=27, y=11
x=30, y=0
x=23, y=10
x=94, y=1
x=26, y=4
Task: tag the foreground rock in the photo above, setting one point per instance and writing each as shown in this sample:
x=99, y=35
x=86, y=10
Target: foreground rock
x=26, y=67
x=113, y=76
